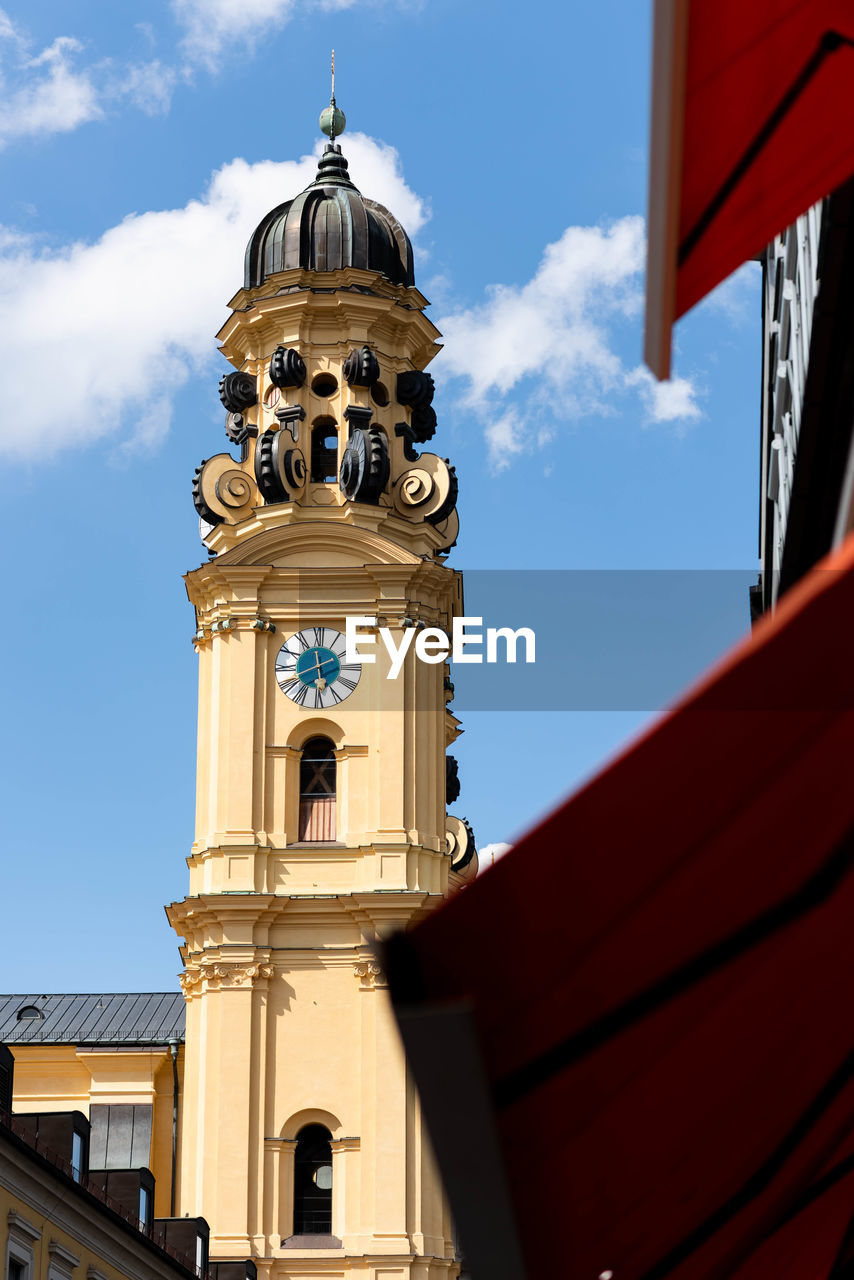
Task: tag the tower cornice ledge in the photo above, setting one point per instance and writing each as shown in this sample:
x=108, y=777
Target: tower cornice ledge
x=381, y=533
x=359, y=304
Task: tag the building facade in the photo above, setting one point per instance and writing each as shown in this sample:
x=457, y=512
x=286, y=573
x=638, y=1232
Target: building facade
x=60, y=1219
x=806, y=457
x=285, y=1113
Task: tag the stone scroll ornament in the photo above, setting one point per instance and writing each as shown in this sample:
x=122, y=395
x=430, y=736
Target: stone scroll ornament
x=415, y=389
x=238, y=391
x=461, y=846
x=361, y=368
x=427, y=491
x=287, y=368
x=365, y=466
x=222, y=493
x=280, y=468
x=452, y=779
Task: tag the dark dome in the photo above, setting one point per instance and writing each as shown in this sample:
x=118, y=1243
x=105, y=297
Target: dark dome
x=329, y=226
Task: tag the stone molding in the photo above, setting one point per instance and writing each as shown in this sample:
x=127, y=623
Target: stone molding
x=22, y=1228
x=370, y=975
x=219, y=976
x=62, y=1257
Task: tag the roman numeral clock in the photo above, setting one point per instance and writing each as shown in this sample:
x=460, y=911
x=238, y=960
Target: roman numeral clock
x=312, y=671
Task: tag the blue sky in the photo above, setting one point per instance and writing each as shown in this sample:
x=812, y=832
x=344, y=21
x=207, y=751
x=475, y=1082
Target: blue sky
x=140, y=145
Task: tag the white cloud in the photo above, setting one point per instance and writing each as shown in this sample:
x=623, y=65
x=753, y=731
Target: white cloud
x=131, y=316
x=504, y=437
x=557, y=336
x=148, y=85
x=671, y=401
x=50, y=93
x=490, y=853
x=211, y=26
x=47, y=94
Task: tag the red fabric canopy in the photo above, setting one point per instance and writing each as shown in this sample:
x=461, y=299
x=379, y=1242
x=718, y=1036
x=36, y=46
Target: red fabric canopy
x=635, y=1033
x=752, y=122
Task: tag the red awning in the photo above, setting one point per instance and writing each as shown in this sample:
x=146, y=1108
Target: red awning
x=634, y=1037
x=752, y=122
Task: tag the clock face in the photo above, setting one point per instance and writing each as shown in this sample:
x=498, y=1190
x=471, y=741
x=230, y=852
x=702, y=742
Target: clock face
x=311, y=668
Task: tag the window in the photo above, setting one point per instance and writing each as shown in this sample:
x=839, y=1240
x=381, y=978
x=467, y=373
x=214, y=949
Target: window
x=120, y=1136
x=29, y=1013
x=77, y=1155
x=313, y=1181
x=324, y=451
x=317, y=773
x=324, y=385
x=23, y=1236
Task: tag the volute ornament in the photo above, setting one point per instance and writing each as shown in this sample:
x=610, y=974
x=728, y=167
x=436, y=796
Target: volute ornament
x=427, y=491
x=415, y=388
x=238, y=429
x=238, y=391
x=287, y=368
x=461, y=844
x=361, y=368
x=365, y=467
x=449, y=531
x=452, y=779
x=280, y=469
x=222, y=491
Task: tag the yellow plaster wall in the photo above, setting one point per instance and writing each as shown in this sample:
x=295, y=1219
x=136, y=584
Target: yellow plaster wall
x=288, y=1020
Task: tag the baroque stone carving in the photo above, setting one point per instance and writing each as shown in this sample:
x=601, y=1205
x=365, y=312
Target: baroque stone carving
x=370, y=975
x=428, y=491
x=361, y=367
x=280, y=469
x=452, y=779
x=218, y=976
x=287, y=368
x=461, y=843
x=238, y=391
x=222, y=491
x=238, y=429
x=290, y=416
x=415, y=388
x=365, y=468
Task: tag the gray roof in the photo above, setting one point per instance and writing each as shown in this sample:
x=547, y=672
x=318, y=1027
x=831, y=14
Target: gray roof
x=149, y=1018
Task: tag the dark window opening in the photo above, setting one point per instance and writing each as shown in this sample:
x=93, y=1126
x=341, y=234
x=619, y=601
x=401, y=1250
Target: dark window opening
x=313, y=1182
x=324, y=451
x=325, y=384
x=379, y=394
x=317, y=782
x=29, y=1013
x=16, y=1269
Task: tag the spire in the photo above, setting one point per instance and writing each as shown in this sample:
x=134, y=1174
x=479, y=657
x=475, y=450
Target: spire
x=333, y=122
x=332, y=169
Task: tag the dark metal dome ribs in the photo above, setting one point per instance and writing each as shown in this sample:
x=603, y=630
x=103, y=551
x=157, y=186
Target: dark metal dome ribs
x=327, y=227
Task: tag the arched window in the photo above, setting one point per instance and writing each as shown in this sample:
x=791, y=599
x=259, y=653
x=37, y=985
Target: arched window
x=313, y=1182
x=324, y=450
x=317, y=771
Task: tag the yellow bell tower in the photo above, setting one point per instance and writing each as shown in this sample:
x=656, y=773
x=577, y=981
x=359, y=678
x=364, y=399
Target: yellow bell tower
x=321, y=817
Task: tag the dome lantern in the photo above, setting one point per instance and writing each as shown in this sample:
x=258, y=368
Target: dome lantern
x=330, y=225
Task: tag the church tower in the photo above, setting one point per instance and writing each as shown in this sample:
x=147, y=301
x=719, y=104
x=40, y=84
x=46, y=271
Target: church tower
x=321, y=820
